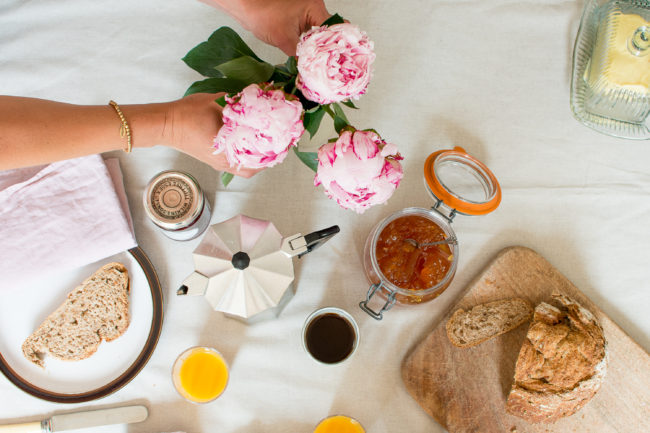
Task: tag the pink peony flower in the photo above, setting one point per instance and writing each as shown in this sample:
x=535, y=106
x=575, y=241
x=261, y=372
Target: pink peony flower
x=334, y=63
x=260, y=124
x=359, y=169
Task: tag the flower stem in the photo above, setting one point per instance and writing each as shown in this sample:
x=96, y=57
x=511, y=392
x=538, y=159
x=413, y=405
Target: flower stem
x=340, y=113
x=329, y=111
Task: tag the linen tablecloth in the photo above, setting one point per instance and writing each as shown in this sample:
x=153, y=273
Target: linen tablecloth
x=490, y=76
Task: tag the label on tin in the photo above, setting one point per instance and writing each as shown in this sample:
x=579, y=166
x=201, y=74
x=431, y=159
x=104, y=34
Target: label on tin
x=172, y=198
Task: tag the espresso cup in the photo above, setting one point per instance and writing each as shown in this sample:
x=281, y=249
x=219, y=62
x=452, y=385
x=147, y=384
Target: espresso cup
x=330, y=335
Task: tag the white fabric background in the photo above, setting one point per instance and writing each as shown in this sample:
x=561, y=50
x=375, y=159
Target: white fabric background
x=490, y=76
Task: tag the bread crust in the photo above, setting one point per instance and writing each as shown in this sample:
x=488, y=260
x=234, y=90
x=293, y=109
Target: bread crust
x=561, y=365
x=96, y=310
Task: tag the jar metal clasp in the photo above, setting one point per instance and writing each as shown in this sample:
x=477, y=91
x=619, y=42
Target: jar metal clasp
x=390, y=301
x=451, y=213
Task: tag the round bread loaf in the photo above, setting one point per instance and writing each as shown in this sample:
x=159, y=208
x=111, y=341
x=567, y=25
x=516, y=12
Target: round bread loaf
x=561, y=364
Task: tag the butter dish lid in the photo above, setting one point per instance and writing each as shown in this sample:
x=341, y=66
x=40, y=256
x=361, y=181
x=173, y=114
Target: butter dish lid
x=460, y=181
x=610, y=83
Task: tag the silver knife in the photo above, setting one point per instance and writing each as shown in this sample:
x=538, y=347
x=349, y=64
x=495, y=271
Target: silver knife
x=85, y=419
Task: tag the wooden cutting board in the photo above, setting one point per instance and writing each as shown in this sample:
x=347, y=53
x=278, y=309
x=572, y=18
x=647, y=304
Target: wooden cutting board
x=465, y=390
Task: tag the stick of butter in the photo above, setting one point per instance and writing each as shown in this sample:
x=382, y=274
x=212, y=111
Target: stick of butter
x=613, y=65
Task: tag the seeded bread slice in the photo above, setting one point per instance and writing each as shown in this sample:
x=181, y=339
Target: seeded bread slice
x=484, y=321
x=96, y=310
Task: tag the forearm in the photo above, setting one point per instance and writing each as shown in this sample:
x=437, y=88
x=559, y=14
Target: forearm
x=36, y=131
x=256, y=15
x=276, y=22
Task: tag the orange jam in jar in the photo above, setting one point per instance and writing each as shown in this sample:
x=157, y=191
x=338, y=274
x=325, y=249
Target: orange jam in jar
x=410, y=264
x=400, y=262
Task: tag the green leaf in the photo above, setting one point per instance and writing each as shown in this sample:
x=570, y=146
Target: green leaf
x=215, y=85
x=334, y=19
x=221, y=101
x=339, y=112
x=291, y=65
x=226, y=178
x=280, y=75
x=310, y=159
x=247, y=69
x=349, y=103
x=222, y=46
x=311, y=120
x=339, y=124
x=281, y=69
x=340, y=120
x=372, y=130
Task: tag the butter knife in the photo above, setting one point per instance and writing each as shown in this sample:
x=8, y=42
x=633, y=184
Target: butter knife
x=85, y=419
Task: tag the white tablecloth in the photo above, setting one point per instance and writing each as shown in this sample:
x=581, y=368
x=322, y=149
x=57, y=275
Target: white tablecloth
x=490, y=76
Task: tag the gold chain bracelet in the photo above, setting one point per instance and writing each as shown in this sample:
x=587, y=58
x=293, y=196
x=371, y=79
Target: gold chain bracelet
x=124, y=128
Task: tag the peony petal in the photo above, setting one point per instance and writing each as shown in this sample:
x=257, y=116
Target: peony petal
x=259, y=126
x=334, y=63
x=354, y=172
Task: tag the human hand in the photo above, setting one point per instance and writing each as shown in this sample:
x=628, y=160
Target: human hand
x=276, y=22
x=192, y=123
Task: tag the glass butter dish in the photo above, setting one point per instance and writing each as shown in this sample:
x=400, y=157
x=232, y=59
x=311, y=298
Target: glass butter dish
x=610, y=86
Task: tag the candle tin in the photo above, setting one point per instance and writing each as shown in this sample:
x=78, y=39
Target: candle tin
x=176, y=204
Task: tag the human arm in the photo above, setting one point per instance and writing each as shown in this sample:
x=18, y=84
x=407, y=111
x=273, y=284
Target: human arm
x=38, y=131
x=276, y=22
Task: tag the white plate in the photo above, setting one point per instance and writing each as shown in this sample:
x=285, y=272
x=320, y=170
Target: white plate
x=115, y=363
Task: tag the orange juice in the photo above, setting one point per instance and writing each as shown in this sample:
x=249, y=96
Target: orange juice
x=339, y=424
x=200, y=374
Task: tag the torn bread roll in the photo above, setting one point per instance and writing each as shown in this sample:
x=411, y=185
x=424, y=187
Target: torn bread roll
x=561, y=364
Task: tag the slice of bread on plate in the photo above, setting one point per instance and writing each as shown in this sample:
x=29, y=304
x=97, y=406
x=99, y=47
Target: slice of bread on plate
x=96, y=310
x=561, y=364
x=484, y=321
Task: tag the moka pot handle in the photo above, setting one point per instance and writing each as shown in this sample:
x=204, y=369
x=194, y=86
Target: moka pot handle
x=299, y=245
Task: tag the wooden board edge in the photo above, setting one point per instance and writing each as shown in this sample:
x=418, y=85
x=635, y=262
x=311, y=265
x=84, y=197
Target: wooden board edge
x=598, y=311
x=413, y=351
x=412, y=392
x=408, y=363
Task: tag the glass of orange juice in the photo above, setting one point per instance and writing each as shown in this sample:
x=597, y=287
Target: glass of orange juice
x=339, y=424
x=200, y=374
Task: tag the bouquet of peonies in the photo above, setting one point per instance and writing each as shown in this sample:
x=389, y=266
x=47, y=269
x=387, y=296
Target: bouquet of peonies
x=267, y=109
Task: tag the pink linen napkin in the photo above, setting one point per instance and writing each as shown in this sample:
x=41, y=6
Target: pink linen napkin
x=61, y=216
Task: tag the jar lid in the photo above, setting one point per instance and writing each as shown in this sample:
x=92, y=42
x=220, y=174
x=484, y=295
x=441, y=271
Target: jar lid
x=461, y=182
x=173, y=200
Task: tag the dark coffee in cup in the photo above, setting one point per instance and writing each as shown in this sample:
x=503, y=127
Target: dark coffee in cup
x=330, y=335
